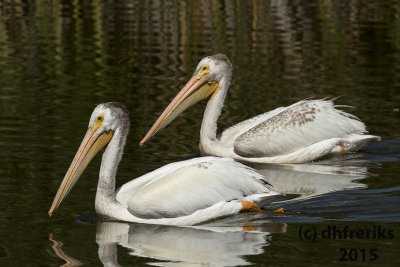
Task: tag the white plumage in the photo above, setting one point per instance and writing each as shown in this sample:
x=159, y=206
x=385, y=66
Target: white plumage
x=302, y=132
x=193, y=185
x=182, y=193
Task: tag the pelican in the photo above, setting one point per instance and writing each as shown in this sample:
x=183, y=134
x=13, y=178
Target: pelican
x=182, y=193
x=302, y=132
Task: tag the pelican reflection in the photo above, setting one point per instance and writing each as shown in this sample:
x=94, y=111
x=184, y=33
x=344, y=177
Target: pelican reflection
x=57, y=248
x=315, y=179
x=173, y=246
x=228, y=240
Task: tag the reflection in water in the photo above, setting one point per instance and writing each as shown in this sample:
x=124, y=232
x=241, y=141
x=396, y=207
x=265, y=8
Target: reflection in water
x=188, y=245
x=59, y=57
x=227, y=241
x=60, y=253
x=314, y=179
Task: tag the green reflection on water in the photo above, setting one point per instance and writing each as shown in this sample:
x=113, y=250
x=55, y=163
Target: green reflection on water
x=59, y=60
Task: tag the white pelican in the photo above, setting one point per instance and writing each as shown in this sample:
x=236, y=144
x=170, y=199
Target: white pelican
x=302, y=132
x=181, y=193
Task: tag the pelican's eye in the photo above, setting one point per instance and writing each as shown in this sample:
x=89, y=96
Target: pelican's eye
x=98, y=122
x=203, y=71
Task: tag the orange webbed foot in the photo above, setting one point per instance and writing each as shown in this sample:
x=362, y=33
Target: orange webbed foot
x=248, y=206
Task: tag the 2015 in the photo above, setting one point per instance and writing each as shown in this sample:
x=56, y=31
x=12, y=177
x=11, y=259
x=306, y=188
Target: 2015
x=353, y=254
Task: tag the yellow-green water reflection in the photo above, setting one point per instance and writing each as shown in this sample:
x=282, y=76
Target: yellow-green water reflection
x=59, y=59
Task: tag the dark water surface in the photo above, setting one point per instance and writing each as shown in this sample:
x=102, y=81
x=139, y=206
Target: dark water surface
x=59, y=59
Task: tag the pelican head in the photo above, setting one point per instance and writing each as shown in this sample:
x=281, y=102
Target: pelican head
x=205, y=83
x=106, y=120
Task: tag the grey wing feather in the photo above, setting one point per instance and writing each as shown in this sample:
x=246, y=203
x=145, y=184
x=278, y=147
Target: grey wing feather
x=299, y=125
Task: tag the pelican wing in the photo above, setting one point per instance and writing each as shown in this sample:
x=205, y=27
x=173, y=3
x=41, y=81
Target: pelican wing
x=228, y=136
x=286, y=130
x=180, y=189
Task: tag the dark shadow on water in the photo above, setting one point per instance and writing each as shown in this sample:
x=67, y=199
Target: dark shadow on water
x=87, y=218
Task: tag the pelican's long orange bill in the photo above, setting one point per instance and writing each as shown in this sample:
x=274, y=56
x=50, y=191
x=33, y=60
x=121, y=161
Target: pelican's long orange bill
x=92, y=143
x=194, y=91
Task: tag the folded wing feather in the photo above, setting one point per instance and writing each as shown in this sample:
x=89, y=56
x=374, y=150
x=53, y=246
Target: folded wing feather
x=299, y=125
x=194, y=187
